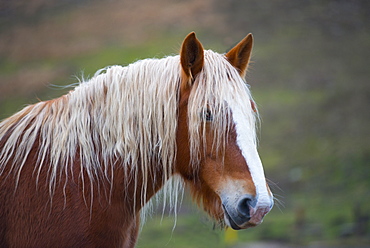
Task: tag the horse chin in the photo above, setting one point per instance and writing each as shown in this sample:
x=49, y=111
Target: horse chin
x=229, y=221
x=238, y=222
x=232, y=222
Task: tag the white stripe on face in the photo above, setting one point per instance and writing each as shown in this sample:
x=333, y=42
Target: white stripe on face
x=246, y=141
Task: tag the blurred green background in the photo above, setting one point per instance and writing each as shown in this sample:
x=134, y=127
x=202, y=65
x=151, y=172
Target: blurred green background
x=309, y=76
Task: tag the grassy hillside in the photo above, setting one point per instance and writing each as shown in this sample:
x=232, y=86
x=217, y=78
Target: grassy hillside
x=309, y=77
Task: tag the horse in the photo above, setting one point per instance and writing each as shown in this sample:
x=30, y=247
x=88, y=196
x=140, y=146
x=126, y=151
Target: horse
x=79, y=170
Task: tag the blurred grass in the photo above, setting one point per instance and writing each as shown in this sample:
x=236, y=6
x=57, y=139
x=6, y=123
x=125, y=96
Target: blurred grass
x=191, y=230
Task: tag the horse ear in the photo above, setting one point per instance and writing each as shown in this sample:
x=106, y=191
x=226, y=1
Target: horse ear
x=239, y=55
x=191, y=56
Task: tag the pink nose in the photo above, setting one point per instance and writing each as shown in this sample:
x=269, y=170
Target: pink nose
x=247, y=212
x=249, y=209
x=258, y=213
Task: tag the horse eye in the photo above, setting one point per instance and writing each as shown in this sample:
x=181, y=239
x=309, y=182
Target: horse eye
x=207, y=115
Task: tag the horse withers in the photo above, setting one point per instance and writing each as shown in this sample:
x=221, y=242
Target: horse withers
x=78, y=170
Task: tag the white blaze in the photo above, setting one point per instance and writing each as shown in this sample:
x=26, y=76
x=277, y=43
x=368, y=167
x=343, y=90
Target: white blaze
x=246, y=141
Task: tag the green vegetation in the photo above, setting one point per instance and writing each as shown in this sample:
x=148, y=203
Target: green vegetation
x=160, y=232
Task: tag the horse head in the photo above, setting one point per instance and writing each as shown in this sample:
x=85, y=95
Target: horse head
x=216, y=138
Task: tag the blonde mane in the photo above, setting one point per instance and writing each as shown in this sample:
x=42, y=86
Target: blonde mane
x=127, y=113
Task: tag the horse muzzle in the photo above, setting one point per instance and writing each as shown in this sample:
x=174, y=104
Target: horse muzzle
x=245, y=212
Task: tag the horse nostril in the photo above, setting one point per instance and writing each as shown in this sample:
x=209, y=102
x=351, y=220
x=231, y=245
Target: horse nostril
x=244, y=205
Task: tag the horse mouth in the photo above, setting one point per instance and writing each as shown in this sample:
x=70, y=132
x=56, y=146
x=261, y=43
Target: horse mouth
x=236, y=226
x=233, y=225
